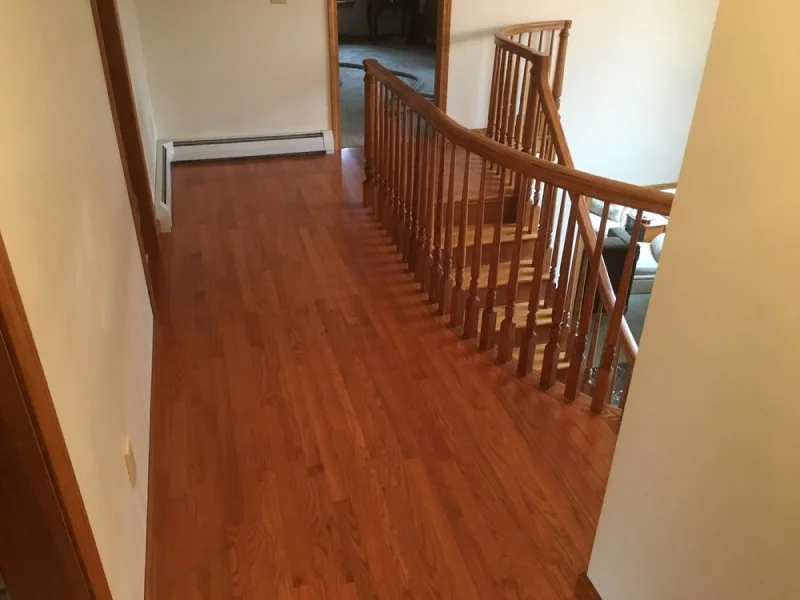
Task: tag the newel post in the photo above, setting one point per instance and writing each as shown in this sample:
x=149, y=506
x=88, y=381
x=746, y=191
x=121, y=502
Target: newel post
x=369, y=139
x=561, y=63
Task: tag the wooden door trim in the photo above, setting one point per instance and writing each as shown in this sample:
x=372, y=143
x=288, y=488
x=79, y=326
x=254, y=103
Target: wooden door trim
x=333, y=66
x=443, y=53
x=442, y=63
x=18, y=338
x=129, y=137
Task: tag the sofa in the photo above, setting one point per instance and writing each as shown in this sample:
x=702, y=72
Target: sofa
x=647, y=257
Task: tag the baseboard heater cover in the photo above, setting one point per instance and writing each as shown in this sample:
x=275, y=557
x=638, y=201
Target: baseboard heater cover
x=171, y=151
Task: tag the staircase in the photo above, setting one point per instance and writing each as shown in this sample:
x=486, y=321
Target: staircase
x=495, y=227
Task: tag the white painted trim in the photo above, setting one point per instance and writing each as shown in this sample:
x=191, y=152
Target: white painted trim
x=245, y=148
x=170, y=151
x=329, y=142
x=163, y=197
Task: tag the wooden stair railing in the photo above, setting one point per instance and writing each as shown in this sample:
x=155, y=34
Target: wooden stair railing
x=505, y=221
x=595, y=354
x=517, y=48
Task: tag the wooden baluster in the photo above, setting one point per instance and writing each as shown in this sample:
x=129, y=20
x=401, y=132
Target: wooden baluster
x=422, y=232
x=430, y=209
x=511, y=139
x=537, y=196
x=489, y=315
x=527, y=83
x=528, y=344
x=601, y=388
x=446, y=280
x=551, y=256
x=402, y=139
x=561, y=62
x=532, y=118
x=396, y=175
x=508, y=329
x=502, y=108
x=408, y=193
x=387, y=161
x=586, y=310
x=473, y=304
x=573, y=316
x=507, y=100
x=494, y=99
x=559, y=228
x=378, y=162
x=566, y=281
x=413, y=239
x=437, y=221
x=459, y=295
x=387, y=173
x=378, y=185
x=369, y=144
x=594, y=331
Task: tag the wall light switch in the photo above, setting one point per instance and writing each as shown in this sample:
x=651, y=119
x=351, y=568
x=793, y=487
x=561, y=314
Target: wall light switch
x=130, y=462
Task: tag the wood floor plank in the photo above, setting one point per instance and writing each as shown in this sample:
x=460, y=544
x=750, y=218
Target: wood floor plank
x=318, y=433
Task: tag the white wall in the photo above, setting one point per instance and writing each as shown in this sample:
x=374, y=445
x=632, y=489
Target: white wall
x=236, y=67
x=633, y=71
x=67, y=225
x=129, y=22
x=705, y=485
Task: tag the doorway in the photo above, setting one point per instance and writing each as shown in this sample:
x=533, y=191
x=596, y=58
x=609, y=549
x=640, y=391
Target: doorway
x=411, y=38
x=47, y=549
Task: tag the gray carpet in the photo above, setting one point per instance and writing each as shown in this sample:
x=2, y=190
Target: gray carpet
x=417, y=61
x=635, y=317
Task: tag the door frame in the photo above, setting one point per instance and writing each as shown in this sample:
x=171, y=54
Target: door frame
x=442, y=63
x=42, y=464
x=129, y=136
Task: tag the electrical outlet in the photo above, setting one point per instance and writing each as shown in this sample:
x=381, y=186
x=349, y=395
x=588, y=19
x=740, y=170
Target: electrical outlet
x=130, y=462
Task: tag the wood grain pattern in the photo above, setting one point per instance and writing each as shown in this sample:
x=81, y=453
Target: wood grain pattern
x=585, y=590
x=318, y=432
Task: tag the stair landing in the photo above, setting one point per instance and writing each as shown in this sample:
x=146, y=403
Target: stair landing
x=317, y=433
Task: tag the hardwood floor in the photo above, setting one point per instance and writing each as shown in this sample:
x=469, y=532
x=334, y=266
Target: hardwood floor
x=317, y=433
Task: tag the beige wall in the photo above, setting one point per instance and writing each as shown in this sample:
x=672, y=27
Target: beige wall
x=633, y=71
x=236, y=67
x=129, y=21
x=67, y=224
x=705, y=485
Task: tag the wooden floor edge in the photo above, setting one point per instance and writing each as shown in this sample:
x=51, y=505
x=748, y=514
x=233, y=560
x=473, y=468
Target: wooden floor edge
x=584, y=589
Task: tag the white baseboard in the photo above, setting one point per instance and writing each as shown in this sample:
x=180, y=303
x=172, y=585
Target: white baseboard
x=170, y=151
x=164, y=157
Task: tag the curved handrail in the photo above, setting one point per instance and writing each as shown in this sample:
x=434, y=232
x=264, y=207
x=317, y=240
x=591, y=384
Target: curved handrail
x=517, y=48
x=661, y=187
x=537, y=26
x=564, y=177
x=553, y=121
